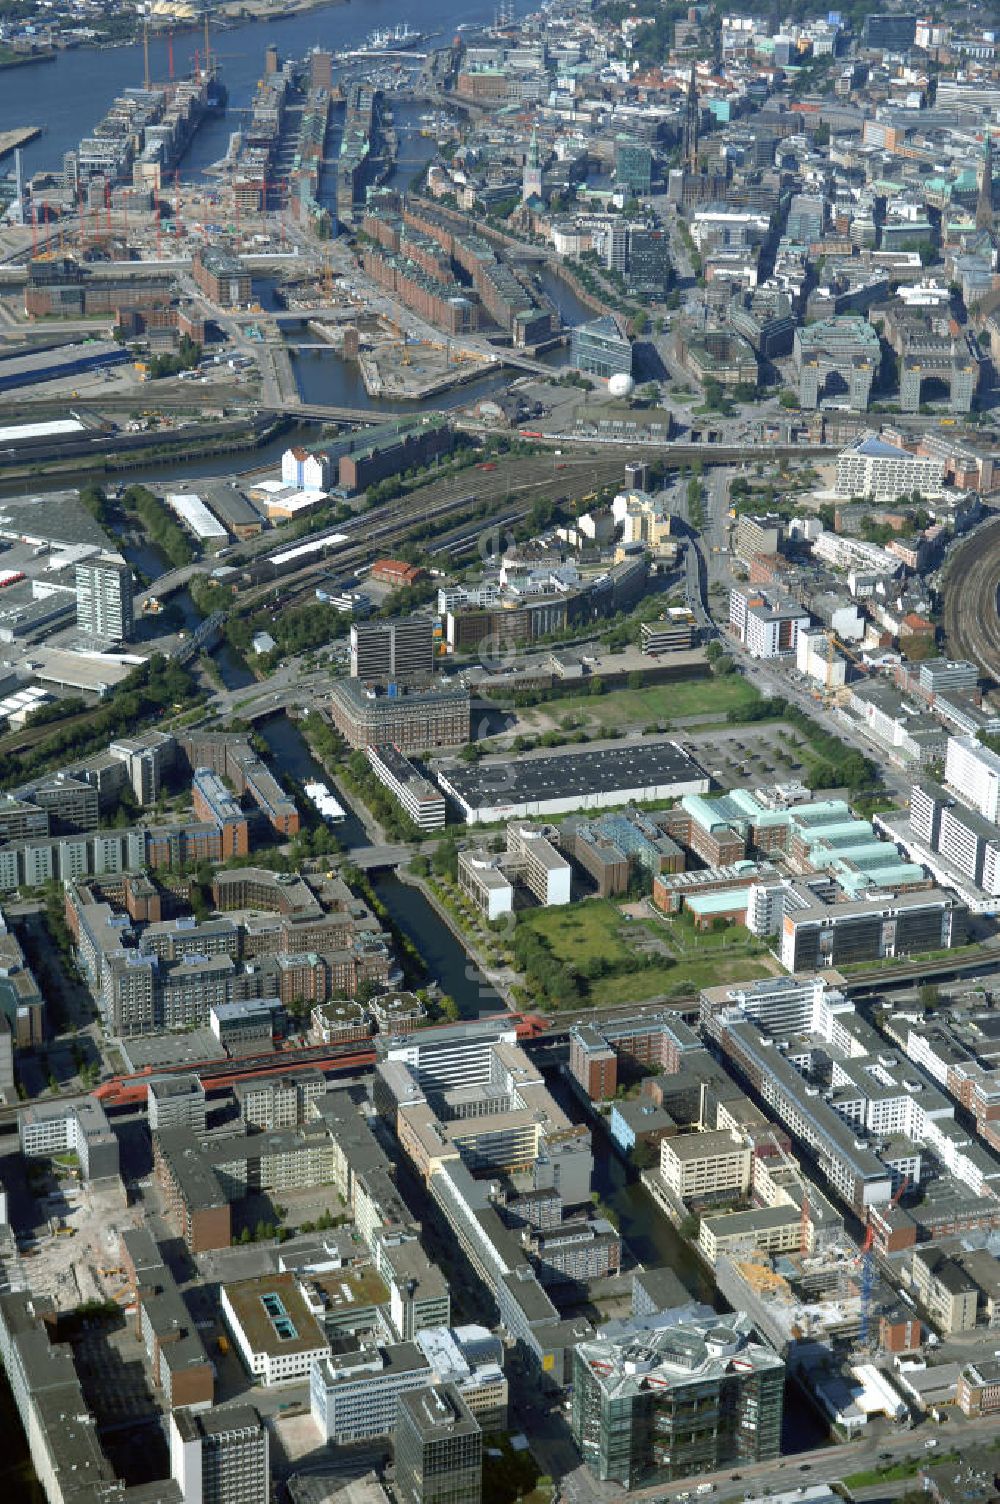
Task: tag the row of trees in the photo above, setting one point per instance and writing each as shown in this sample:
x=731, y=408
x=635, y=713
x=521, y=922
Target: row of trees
x=160, y=526
x=144, y=696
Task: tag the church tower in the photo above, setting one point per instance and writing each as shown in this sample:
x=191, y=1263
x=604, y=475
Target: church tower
x=531, y=183
x=692, y=117
x=984, y=203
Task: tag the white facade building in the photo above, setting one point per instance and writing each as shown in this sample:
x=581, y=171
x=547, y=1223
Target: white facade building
x=354, y=1396
x=973, y=771
x=304, y=470
x=870, y=467
x=816, y=656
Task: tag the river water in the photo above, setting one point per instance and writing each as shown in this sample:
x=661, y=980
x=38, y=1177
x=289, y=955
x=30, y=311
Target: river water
x=447, y=962
x=70, y=95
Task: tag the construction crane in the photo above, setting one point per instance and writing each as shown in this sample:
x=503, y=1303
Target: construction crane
x=868, y=1266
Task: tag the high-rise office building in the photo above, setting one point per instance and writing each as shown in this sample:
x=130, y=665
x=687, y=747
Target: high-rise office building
x=320, y=69
x=220, y=1456
x=104, y=598
x=973, y=771
x=393, y=652
x=650, y=1406
x=439, y=1448
x=600, y=348
x=884, y=32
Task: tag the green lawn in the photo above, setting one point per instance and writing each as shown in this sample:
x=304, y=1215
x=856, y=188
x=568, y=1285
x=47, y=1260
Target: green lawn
x=659, y=702
x=581, y=934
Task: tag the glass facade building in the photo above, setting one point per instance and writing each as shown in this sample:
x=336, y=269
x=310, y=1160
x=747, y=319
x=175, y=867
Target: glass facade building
x=601, y=349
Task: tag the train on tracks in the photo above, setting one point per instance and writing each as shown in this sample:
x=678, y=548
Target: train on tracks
x=125, y=1091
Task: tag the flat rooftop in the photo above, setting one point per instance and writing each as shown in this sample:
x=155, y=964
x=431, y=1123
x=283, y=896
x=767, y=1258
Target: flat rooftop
x=274, y=1316
x=626, y=765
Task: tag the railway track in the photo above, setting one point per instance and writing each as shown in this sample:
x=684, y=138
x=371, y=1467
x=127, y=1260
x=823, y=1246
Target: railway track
x=970, y=587
x=368, y=535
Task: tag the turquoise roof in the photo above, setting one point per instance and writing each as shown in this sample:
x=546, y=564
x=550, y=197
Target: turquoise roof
x=716, y=903
x=871, y=852
x=820, y=812
x=707, y=812
x=840, y=832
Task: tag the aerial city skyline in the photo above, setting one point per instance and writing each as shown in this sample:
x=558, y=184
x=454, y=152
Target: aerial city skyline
x=499, y=752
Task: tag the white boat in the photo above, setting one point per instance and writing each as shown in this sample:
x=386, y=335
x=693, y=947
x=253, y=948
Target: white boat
x=319, y=796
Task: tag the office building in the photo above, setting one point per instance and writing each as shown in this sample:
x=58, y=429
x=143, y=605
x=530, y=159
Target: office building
x=393, y=652
x=176, y=1102
x=600, y=348
x=272, y=1328
x=354, y=1396
x=470, y=1357
x=104, y=598
x=532, y=858
x=978, y=1389
x=420, y=801
x=483, y=880
x=668, y=1401
x=412, y=720
x=944, y=1290
x=837, y=359
x=49, y=1128
x=878, y=471
x=707, y=1165
x=815, y=933
x=438, y=1448
x=279, y=1101
x=889, y=32
x=178, y=1363
x=633, y=166
x=973, y=771
x=220, y=1457
x=60, y=1430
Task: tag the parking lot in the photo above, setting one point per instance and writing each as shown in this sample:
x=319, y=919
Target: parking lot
x=749, y=756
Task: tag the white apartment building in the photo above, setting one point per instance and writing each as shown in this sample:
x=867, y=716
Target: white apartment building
x=354, y=1396
x=816, y=656
x=972, y=845
x=973, y=771
x=104, y=598
x=768, y=628
x=853, y=553
x=873, y=468
x=420, y=800
x=696, y=1165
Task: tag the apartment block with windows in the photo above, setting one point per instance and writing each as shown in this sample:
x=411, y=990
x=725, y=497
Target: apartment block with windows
x=705, y=1166
x=419, y=799
x=438, y=1448
x=222, y=1456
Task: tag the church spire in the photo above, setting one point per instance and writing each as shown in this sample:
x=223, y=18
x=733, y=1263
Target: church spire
x=692, y=119
x=984, y=203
